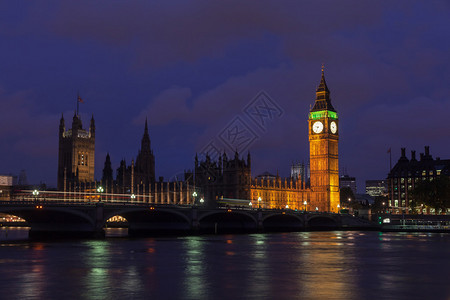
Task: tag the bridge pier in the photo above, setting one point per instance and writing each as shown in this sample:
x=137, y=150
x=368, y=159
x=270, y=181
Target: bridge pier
x=99, y=216
x=260, y=226
x=195, y=225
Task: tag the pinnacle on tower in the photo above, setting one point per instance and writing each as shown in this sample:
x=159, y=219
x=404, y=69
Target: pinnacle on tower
x=323, y=101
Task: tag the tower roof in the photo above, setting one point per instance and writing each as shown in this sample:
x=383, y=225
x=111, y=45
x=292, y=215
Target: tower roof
x=323, y=101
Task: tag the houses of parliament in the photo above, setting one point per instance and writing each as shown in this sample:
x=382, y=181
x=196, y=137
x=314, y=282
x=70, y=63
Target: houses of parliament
x=212, y=182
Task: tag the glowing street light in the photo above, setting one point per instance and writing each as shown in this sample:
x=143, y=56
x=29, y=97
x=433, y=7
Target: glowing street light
x=35, y=194
x=305, y=203
x=317, y=209
x=202, y=200
x=100, y=190
x=250, y=204
x=287, y=206
x=133, y=196
x=338, y=206
x=259, y=202
x=194, y=195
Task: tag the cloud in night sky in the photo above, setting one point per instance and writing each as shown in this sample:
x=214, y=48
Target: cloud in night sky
x=191, y=67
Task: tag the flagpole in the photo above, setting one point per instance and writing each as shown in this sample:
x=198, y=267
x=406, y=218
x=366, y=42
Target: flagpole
x=390, y=160
x=78, y=102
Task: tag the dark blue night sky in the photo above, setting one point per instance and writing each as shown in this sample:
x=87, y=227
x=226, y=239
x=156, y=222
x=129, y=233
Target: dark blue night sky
x=192, y=67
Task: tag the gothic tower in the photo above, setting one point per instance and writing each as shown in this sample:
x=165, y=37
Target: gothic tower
x=76, y=156
x=145, y=161
x=323, y=151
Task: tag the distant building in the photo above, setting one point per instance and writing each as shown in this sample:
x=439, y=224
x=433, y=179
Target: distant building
x=376, y=188
x=347, y=181
x=6, y=184
x=300, y=169
x=407, y=173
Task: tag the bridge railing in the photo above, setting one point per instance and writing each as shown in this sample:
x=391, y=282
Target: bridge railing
x=85, y=197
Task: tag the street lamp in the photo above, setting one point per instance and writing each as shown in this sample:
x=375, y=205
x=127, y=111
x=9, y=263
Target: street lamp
x=338, y=206
x=35, y=194
x=100, y=190
x=317, y=209
x=259, y=202
x=305, y=203
x=133, y=196
x=202, y=200
x=194, y=194
x=287, y=206
x=250, y=204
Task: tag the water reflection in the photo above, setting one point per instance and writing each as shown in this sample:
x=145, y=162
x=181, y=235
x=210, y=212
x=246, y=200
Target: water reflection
x=260, y=266
x=97, y=264
x=194, y=271
x=32, y=282
x=306, y=265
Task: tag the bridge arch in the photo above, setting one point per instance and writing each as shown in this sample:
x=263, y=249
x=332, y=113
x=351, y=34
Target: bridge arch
x=225, y=221
x=283, y=221
x=151, y=220
x=40, y=214
x=322, y=222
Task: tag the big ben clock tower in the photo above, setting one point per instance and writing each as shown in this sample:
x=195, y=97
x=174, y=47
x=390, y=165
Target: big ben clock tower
x=323, y=151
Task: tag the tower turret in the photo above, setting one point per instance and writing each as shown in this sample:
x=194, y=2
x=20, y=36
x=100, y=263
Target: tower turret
x=323, y=145
x=145, y=160
x=62, y=126
x=92, y=127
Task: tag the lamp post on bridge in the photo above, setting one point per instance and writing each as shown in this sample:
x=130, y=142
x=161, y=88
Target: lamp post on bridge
x=305, y=203
x=132, y=197
x=35, y=194
x=194, y=195
x=100, y=190
x=259, y=202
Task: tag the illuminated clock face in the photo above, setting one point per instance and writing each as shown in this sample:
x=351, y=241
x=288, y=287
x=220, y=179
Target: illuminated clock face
x=333, y=127
x=317, y=127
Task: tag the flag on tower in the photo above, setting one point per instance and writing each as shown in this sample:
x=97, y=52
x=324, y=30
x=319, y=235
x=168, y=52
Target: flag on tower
x=389, y=150
x=80, y=100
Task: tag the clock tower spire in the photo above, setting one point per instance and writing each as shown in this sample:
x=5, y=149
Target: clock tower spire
x=323, y=151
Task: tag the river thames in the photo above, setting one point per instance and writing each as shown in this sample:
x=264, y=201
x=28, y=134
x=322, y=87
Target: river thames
x=299, y=265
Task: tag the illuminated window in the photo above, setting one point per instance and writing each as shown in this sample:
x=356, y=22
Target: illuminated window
x=396, y=203
x=438, y=172
x=402, y=180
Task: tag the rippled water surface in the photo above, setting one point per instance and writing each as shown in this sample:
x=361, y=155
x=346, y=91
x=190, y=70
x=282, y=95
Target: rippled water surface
x=303, y=265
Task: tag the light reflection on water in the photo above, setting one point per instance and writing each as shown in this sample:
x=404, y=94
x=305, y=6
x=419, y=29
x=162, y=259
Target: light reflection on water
x=306, y=265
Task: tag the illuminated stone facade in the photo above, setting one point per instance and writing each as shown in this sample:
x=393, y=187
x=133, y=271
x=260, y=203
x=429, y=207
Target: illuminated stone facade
x=76, y=158
x=323, y=133
x=320, y=194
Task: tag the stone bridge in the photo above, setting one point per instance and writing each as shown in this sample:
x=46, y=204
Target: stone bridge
x=89, y=219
